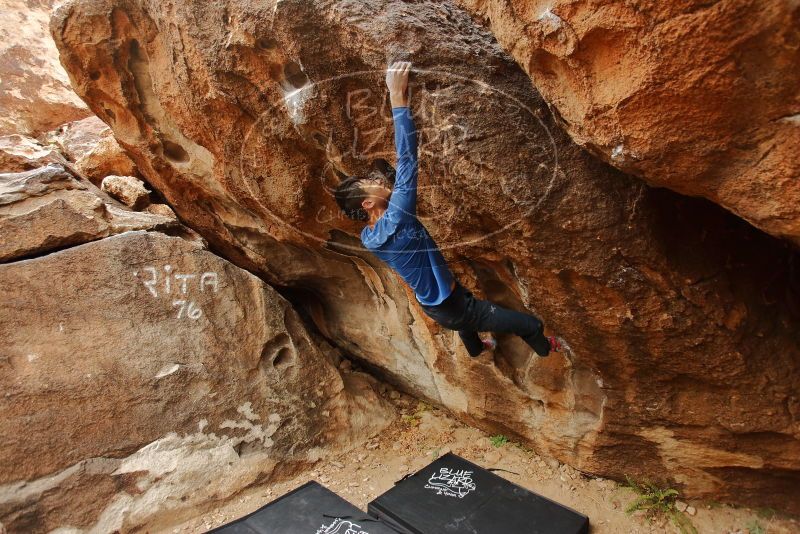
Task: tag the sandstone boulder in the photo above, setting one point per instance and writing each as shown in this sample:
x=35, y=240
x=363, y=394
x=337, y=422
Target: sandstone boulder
x=127, y=189
x=35, y=94
x=90, y=144
x=47, y=209
x=160, y=209
x=682, y=319
x=21, y=153
x=700, y=97
x=144, y=377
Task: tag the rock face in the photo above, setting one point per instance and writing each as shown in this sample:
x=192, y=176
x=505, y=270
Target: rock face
x=144, y=376
x=127, y=189
x=90, y=144
x=48, y=209
x=681, y=318
x=21, y=153
x=35, y=95
x=700, y=97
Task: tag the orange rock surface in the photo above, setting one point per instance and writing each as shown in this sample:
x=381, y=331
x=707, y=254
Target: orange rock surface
x=682, y=319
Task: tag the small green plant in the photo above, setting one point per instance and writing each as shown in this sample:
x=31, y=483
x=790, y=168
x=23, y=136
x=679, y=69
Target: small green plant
x=415, y=418
x=498, y=440
x=423, y=407
x=755, y=527
x=655, y=501
x=410, y=419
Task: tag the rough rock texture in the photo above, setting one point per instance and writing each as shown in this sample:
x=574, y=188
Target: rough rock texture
x=90, y=144
x=697, y=96
x=48, y=208
x=21, y=153
x=682, y=319
x=35, y=95
x=127, y=189
x=160, y=209
x=144, y=376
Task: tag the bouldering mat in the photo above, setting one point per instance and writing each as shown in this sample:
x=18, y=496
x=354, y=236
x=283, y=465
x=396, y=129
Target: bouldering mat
x=309, y=509
x=453, y=495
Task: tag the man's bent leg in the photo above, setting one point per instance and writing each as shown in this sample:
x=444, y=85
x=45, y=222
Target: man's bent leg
x=472, y=342
x=537, y=341
x=451, y=314
x=485, y=316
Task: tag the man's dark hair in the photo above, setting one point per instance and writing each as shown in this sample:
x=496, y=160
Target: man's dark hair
x=349, y=196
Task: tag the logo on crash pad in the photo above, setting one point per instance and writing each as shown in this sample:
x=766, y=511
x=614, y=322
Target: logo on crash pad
x=451, y=482
x=340, y=526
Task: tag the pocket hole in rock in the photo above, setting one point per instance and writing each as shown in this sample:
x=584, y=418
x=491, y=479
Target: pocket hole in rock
x=277, y=352
x=321, y=140
x=136, y=51
x=265, y=43
x=295, y=75
x=175, y=152
x=94, y=75
x=283, y=358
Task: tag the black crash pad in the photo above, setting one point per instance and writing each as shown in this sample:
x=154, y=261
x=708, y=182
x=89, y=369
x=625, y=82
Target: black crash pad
x=309, y=509
x=453, y=495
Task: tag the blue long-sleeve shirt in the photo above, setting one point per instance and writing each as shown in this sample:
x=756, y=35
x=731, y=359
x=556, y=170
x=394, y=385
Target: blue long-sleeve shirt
x=398, y=238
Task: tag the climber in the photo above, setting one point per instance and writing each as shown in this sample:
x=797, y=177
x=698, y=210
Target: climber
x=395, y=235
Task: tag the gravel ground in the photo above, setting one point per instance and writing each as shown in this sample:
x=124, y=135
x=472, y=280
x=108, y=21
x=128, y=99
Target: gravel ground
x=421, y=433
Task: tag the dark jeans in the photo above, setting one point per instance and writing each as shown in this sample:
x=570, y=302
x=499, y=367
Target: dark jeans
x=463, y=312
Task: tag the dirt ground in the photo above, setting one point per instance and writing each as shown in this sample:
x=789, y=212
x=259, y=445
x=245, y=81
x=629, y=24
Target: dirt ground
x=422, y=433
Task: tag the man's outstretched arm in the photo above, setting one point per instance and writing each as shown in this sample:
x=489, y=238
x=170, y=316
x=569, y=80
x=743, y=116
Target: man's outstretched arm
x=403, y=202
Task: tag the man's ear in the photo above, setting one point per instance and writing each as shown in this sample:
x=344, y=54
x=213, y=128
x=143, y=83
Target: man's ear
x=367, y=203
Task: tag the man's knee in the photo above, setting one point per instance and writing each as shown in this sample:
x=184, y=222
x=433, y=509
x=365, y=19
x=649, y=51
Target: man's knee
x=450, y=325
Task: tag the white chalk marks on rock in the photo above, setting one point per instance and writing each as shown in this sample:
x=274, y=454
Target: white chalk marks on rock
x=187, y=286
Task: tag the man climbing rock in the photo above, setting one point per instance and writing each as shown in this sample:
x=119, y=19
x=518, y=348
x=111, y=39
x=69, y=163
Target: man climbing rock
x=397, y=237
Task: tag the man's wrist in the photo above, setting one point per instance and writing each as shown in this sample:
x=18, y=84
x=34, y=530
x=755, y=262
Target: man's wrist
x=398, y=100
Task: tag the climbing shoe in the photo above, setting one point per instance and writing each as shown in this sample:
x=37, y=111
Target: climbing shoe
x=489, y=343
x=555, y=344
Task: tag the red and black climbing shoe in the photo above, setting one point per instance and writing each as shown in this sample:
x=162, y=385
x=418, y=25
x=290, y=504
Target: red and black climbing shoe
x=489, y=343
x=555, y=344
